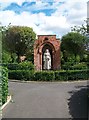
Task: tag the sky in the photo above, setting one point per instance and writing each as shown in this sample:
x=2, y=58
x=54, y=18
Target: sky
x=46, y=17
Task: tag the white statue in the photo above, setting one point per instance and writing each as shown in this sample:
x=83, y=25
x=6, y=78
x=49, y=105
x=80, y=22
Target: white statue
x=47, y=60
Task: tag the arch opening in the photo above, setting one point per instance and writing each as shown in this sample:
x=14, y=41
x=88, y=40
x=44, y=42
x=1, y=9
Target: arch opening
x=47, y=46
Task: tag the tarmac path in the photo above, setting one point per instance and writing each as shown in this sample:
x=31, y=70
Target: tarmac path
x=47, y=100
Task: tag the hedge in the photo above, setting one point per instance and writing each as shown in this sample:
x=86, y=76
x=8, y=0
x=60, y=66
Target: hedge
x=76, y=66
x=44, y=76
x=4, y=83
x=49, y=75
x=72, y=75
x=21, y=74
x=19, y=66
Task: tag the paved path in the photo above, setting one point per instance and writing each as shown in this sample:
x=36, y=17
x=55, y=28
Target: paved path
x=47, y=100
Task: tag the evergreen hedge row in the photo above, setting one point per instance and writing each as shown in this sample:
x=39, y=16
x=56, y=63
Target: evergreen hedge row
x=64, y=75
x=21, y=74
x=4, y=83
x=19, y=66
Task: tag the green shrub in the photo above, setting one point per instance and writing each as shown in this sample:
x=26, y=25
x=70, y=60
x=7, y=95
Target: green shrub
x=12, y=66
x=75, y=66
x=44, y=76
x=77, y=74
x=79, y=66
x=63, y=75
x=25, y=66
x=19, y=66
x=67, y=65
x=71, y=75
x=4, y=78
x=21, y=74
x=6, y=57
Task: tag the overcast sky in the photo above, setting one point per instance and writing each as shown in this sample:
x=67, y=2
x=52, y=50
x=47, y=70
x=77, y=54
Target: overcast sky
x=44, y=16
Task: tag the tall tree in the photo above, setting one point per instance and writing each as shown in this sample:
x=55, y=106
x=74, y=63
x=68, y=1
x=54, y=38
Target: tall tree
x=84, y=30
x=19, y=40
x=73, y=43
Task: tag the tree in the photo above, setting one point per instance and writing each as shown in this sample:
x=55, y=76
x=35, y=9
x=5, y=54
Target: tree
x=19, y=40
x=80, y=29
x=73, y=43
x=4, y=55
x=84, y=30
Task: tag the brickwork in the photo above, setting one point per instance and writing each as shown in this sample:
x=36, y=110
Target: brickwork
x=53, y=44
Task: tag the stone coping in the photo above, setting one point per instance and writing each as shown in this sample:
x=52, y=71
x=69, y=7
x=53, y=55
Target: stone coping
x=8, y=100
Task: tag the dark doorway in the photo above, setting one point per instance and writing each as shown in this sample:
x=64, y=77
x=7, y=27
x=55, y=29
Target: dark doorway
x=50, y=50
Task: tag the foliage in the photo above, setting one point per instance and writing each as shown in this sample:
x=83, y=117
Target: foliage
x=19, y=66
x=73, y=46
x=19, y=40
x=4, y=78
x=0, y=45
x=6, y=57
x=26, y=66
x=63, y=75
x=74, y=66
x=84, y=30
x=80, y=29
x=21, y=74
x=72, y=75
x=80, y=66
x=73, y=43
x=44, y=76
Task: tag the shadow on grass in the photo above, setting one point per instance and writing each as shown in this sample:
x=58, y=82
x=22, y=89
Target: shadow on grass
x=78, y=102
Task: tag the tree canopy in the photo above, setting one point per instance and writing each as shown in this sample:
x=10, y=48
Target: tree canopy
x=19, y=40
x=84, y=30
x=73, y=43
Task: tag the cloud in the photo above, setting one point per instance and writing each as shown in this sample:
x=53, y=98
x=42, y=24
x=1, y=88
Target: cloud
x=19, y=2
x=34, y=7
x=68, y=13
x=75, y=11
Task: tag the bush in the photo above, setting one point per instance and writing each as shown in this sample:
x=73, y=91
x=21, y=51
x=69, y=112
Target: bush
x=6, y=57
x=67, y=65
x=44, y=76
x=4, y=78
x=19, y=66
x=64, y=75
x=79, y=66
x=25, y=66
x=21, y=74
x=61, y=75
x=76, y=66
x=12, y=66
x=72, y=75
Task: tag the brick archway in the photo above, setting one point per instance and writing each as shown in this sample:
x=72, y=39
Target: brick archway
x=50, y=42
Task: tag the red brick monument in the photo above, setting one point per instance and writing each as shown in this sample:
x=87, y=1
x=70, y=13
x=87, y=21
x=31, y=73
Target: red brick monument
x=47, y=53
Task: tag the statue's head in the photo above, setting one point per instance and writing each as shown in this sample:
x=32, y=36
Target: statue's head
x=47, y=50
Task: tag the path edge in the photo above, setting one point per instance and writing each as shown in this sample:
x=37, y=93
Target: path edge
x=7, y=102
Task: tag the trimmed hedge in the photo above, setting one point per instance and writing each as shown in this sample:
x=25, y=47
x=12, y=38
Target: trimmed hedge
x=64, y=75
x=21, y=74
x=72, y=75
x=4, y=78
x=76, y=66
x=61, y=75
x=44, y=76
x=19, y=66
